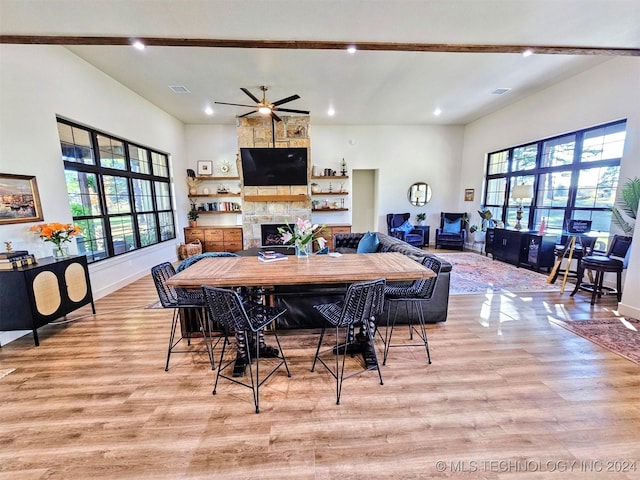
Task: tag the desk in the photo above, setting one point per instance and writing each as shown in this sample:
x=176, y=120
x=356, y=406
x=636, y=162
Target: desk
x=251, y=272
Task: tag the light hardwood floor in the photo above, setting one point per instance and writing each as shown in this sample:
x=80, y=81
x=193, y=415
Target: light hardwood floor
x=508, y=394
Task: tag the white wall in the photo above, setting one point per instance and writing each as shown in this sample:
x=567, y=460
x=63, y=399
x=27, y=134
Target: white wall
x=402, y=155
x=36, y=84
x=605, y=93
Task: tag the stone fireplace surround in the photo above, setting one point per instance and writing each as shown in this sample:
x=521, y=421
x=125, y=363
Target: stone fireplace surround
x=256, y=132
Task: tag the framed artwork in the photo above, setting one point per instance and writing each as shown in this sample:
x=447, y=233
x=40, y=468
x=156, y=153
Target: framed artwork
x=205, y=167
x=469, y=194
x=19, y=199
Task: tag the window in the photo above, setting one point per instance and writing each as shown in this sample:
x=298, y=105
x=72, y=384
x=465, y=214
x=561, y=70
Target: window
x=119, y=192
x=574, y=176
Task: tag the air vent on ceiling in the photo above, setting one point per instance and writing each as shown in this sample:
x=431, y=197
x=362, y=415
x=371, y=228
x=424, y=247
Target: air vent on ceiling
x=179, y=89
x=500, y=91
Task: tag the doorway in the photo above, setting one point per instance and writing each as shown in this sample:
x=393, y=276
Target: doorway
x=364, y=204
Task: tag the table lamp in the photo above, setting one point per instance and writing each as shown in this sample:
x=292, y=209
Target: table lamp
x=519, y=193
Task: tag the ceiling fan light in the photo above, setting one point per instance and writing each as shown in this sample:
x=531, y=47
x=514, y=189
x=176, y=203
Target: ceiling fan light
x=264, y=110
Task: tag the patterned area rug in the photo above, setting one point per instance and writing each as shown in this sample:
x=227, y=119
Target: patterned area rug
x=619, y=335
x=475, y=273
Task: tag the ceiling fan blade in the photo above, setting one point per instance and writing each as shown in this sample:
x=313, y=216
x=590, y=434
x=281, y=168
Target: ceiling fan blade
x=236, y=104
x=251, y=95
x=275, y=117
x=285, y=100
x=247, y=114
x=306, y=112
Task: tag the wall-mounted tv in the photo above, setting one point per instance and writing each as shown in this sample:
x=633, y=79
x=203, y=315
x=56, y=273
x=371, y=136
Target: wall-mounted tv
x=274, y=166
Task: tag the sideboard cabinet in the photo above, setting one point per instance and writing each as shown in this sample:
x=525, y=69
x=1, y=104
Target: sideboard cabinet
x=34, y=295
x=215, y=239
x=521, y=248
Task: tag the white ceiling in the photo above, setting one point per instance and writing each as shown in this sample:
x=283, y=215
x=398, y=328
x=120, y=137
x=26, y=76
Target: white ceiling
x=368, y=87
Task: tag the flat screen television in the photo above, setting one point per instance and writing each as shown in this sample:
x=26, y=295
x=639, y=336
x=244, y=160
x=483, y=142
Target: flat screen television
x=274, y=166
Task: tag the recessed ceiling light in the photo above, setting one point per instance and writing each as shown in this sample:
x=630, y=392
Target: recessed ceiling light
x=437, y=112
x=179, y=89
x=351, y=49
x=527, y=53
x=331, y=112
x=500, y=91
x=208, y=110
x=138, y=45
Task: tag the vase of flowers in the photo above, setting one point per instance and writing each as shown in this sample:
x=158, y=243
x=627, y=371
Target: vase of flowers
x=59, y=234
x=302, y=236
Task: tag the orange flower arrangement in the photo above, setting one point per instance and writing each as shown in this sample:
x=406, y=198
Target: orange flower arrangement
x=56, y=233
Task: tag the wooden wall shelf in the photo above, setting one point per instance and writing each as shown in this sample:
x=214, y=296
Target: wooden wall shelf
x=276, y=198
x=220, y=179
x=329, y=177
x=214, y=195
x=209, y=212
x=330, y=210
x=320, y=194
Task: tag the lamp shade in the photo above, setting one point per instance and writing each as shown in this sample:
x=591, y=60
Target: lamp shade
x=522, y=191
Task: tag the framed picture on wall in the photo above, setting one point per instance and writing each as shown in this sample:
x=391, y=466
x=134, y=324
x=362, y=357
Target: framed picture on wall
x=19, y=199
x=469, y=194
x=205, y=167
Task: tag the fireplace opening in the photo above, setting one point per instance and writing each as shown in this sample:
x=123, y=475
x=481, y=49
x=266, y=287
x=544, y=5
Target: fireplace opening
x=270, y=237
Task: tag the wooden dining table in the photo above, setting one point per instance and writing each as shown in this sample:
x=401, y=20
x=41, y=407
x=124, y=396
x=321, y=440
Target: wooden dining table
x=315, y=269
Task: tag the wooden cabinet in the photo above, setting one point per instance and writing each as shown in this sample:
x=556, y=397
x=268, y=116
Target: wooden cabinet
x=521, y=248
x=331, y=230
x=35, y=295
x=215, y=239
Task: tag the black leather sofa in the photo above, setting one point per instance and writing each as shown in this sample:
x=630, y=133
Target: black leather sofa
x=299, y=300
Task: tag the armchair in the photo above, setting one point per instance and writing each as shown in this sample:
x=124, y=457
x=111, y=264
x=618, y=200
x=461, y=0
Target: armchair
x=452, y=232
x=395, y=222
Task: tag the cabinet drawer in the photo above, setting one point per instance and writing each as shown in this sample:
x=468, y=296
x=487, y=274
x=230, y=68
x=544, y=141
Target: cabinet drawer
x=232, y=246
x=213, y=235
x=192, y=234
x=214, y=247
x=232, y=234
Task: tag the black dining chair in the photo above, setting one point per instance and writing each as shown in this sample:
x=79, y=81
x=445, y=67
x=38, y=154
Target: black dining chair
x=412, y=296
x=363, y=303
x=182, y=300
x=247, y=321
x=612, y=262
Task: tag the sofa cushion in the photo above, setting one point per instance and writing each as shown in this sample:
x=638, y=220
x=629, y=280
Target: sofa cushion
x=452, y=226
x=368, y=243
x=406, y=227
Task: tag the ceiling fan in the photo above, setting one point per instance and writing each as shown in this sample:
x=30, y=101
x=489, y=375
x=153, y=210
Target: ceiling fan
x=264, y=107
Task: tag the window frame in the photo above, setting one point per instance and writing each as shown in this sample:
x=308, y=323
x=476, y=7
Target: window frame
x=138, y=240
x=532, y=217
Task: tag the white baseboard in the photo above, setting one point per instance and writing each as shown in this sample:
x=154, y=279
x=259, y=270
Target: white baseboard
x=628, y=310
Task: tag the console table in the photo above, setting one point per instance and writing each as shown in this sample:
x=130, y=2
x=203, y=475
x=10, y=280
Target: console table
x=35, y=295
x=521, y=247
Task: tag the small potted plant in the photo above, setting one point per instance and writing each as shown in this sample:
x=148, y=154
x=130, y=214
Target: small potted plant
x=421, y=217
x=193, y=216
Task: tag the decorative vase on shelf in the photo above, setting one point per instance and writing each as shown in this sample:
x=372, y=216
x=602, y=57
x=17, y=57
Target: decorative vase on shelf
x=60, y=252
x=193, y=191
x=303, y=251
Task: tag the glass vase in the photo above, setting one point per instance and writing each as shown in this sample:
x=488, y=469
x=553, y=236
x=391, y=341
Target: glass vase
x=303, y=251
x=60, y=251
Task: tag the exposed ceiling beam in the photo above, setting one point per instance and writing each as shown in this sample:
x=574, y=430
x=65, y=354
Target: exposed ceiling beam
x=315, y=45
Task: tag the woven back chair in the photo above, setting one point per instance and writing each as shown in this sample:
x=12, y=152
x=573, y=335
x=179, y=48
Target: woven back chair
x=411, y=296
x=362, y=303
x=179, y=300
x=243, y=319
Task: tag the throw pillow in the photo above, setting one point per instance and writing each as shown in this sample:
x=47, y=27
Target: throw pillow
x=452, y=226
x=406, y=227
x=368, y=243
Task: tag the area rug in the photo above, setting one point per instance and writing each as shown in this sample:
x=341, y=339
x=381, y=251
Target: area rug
x=475, y=273
x=620, y=335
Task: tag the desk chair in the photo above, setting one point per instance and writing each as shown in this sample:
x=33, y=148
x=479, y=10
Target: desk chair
x=613, y=261
x=362, y=303
x=180, y=299
x=245, y=320
x=411, y=296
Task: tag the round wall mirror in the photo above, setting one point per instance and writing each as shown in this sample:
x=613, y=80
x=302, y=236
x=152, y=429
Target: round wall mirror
x=419, y=194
